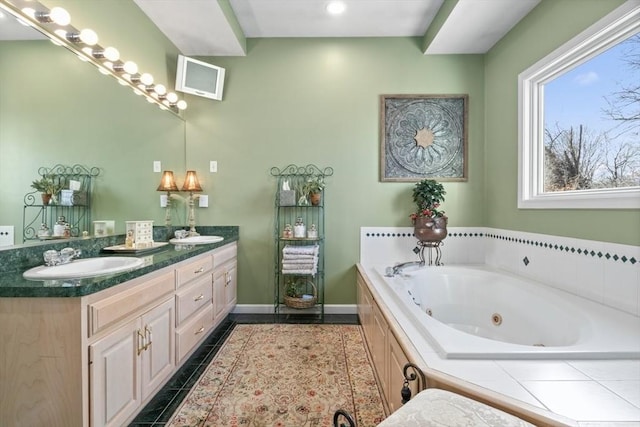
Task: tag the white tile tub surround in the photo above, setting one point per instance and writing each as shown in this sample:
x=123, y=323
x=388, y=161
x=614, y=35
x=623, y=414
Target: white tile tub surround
x=593, y=392
x=392, y=245
x=607, y=273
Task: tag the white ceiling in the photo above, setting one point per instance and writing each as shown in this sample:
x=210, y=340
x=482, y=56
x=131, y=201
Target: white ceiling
x=200, y=28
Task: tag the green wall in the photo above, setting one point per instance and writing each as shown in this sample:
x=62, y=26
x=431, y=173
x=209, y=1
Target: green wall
x=546, y=28
x=290, y=101
x=317, y=101
x=54, y=109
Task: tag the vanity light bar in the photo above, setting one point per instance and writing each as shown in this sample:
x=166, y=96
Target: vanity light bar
x=55, y=24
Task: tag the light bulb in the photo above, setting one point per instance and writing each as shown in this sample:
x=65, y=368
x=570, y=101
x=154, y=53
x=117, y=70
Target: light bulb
x=111, y=53
x=146, y=79
x=172, y=97
x=336, y=7
x=60, y=16
x=160, y=89
x=60, y=33
x=182, y=104
x=130, y=67
x=89, y=37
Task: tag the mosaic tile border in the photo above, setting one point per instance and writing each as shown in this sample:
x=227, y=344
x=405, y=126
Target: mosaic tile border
x=563, y=248
x=451, y=234
x=614, y=257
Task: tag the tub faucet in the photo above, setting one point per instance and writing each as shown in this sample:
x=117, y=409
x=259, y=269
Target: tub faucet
x=65, y=256
x=397, y=269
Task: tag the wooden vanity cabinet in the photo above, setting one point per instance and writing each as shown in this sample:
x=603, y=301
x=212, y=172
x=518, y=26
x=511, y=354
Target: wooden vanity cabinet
x=96, y=360
x=130, y=363
x=194, y=304
x=224, y=281
x=387, y=354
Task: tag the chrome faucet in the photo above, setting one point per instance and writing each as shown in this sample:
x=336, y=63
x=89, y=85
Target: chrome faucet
x=397, y=269
x=64, y=256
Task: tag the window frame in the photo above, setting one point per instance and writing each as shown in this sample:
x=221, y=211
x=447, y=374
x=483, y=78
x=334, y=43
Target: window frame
x=613, y=28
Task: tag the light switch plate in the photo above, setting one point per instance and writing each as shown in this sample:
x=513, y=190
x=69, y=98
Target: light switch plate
x=163, y=200
x=203, y=201
x=213, y=166
x=157, y=166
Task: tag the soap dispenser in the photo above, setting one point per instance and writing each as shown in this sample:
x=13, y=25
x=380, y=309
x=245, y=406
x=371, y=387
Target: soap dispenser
x=59, y=227
x=299, y=229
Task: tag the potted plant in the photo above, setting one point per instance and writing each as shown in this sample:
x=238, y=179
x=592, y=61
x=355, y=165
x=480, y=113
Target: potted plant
x=313, y=187
x=430, y=223
x=48, y=187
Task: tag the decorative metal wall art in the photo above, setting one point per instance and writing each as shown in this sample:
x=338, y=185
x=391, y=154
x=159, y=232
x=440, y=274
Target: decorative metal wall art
x=423, y=136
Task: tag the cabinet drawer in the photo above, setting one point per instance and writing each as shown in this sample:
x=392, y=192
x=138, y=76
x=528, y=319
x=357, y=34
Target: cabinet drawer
x=110, y=310
x=193, y=332
x=225, y=254
x=193, y=269
x=193, y=297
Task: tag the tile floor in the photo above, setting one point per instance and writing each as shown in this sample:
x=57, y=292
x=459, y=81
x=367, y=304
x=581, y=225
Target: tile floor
x=159, y=410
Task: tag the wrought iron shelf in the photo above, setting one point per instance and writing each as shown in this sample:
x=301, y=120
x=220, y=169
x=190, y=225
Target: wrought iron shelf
x=35, y=213
x=292, y=203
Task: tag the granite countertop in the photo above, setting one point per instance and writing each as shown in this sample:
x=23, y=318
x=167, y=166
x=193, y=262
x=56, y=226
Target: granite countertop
x=15, y=261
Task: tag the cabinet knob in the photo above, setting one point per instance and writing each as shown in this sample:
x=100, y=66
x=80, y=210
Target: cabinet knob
x=199, y=331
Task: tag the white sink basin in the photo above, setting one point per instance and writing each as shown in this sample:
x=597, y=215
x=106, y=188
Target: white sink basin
x=84, y=267
x=197, y=240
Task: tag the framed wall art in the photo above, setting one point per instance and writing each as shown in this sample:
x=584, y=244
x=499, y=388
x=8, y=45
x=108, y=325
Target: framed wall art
x=423, y=136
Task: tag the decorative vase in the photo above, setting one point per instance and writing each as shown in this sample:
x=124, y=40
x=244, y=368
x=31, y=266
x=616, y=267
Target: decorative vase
x=315, y=198
x=430, y=229
x=46, y=198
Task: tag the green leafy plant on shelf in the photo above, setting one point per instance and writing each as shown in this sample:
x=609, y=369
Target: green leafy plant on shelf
x=427, y=195
x=46, y=185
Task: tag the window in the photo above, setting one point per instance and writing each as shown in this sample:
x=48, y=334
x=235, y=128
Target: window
x=551, y=174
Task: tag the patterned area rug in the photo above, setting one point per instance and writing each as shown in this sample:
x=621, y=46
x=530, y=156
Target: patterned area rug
x=285, y=375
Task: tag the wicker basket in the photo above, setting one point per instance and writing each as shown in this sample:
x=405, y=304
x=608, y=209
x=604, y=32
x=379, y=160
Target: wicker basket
x=295, y=302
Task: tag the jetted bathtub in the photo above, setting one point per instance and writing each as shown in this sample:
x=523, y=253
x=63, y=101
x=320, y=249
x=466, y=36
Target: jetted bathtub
x=474, y=312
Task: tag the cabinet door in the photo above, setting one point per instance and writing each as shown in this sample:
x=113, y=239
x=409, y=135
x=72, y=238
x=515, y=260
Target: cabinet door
x=365, y=309
x=219, y=295
x=379, y=348
x=114, y=376
x=397, y=360
x=158, y=360
x=231, y=285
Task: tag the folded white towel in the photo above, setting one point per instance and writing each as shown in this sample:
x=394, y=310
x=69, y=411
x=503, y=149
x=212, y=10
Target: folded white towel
x=309, y=260
x=301, y=257
x=301, y=250
x=308, y=266
x=311, y=272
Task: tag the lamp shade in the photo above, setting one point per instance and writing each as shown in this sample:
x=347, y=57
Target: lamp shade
x=167, y=182
x=191, y=182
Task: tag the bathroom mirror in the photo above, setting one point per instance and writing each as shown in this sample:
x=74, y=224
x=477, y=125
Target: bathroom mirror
x=54, y=109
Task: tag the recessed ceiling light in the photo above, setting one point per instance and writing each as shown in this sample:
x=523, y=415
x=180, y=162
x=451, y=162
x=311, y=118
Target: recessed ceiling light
x=336, y=7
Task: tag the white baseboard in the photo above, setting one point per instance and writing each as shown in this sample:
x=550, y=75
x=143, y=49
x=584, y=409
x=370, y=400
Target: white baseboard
x=268, y=309
x=253, y=309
